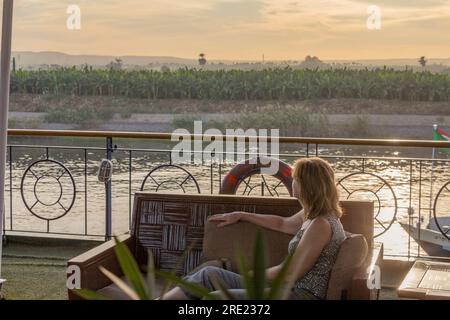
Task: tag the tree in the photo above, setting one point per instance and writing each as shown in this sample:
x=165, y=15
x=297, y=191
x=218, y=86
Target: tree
x=165, y=69
x=312, y=62
x=423, y=61
x=117, y=64
x=202, y=60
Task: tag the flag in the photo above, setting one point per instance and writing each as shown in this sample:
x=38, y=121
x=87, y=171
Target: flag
x=440, y=135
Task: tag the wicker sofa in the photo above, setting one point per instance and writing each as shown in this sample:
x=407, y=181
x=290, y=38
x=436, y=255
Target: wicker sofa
x=174, y=228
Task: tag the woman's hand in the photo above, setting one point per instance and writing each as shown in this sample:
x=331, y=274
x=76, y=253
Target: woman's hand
x=226, y=218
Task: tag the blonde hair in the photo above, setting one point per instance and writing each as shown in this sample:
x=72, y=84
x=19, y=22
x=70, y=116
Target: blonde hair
x=318, y=192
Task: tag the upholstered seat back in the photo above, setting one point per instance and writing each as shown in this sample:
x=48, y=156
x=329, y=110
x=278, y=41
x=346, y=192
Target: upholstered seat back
x=351, y=256
x=228, y=241
x=172, y=226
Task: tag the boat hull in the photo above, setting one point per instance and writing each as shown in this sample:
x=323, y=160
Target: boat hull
x=432, y=241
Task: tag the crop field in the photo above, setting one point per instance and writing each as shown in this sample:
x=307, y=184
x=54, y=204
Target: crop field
x=270, y=84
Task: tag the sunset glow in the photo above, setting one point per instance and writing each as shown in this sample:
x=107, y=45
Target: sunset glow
x=237, y=29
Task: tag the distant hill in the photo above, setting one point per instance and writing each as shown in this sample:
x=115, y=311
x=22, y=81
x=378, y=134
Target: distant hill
x=28, y=59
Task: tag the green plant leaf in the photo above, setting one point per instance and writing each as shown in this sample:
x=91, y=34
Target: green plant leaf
x=219, y=284
x=131, y=269
x=121, y=284
x=151, y=275
x=279, y=285
x=259, y=267
x=245, y=274
x=193, y=288
x=167, y=282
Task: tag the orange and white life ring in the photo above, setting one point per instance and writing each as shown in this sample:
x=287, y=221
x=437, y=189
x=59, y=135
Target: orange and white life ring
x=243, y=170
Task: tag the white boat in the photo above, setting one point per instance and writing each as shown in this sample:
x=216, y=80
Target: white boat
x=430, y=233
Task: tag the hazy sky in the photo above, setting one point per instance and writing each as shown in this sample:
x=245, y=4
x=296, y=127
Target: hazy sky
x=236, y=29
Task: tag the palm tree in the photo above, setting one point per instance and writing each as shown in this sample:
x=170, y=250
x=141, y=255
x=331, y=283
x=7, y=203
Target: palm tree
x=202, y=59
x=423, y=61
x=116, y=65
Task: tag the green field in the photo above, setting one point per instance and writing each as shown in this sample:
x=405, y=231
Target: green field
x=279, y=84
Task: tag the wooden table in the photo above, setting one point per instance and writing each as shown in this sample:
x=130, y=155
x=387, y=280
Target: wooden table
x=427, y=280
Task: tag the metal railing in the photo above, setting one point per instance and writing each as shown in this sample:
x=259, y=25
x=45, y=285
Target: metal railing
x=168, y=136
x=80, y=206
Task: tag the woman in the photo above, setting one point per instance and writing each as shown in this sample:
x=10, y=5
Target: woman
x=317, y=231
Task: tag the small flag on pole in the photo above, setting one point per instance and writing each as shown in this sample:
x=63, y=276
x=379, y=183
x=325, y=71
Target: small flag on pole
x=440, y=136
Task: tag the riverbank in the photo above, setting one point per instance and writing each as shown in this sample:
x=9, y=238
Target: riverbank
x=356, y=118
x=338, y=125
x=127, y=106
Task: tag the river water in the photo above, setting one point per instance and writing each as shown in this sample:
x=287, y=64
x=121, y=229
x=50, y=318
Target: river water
x=388, y=176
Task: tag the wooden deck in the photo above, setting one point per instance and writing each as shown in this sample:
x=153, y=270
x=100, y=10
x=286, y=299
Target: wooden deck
x=36, y=269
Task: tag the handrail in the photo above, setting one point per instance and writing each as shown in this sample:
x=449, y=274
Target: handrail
x=168, y=136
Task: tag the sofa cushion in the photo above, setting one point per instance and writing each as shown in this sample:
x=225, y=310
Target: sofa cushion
x=351, y=256
x=226, y=242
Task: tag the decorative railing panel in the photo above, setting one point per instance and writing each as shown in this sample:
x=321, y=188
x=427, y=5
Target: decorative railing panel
x=53, y=189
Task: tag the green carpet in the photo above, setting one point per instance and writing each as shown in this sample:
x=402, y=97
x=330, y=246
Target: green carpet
x=35, y=269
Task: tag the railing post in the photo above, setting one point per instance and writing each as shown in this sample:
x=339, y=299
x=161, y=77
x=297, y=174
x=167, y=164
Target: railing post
x=108, y=190
x=5, y=61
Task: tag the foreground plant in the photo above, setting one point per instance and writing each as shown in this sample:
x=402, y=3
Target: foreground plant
x=140, y=287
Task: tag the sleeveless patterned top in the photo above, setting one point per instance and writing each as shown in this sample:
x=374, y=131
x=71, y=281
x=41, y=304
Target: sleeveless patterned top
x=316, y=280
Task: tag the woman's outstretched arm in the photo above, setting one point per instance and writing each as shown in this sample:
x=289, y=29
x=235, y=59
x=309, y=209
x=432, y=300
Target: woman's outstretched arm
x=289, y=225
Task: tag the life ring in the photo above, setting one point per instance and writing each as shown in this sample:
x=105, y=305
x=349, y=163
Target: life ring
x=243, y=170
